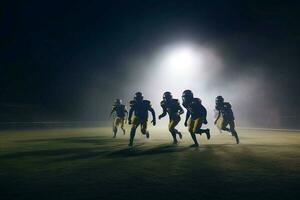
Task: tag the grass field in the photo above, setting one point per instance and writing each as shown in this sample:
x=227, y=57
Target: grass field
x=86, y=163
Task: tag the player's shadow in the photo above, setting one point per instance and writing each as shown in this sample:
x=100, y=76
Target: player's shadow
x=65, y=149
x=97, y=140
x=71, y=154
x=162, y=149
x=62, y=154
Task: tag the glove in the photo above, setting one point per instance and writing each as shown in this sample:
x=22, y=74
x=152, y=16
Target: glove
x=204, y=121
x=159, y=117
x=153, y=122
x=185, y=124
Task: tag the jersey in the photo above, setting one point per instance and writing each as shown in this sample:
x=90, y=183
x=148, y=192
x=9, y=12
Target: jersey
x=226, y=111
x=120, y=110
x=141, y=108
x=196, y=109
x=172, y=107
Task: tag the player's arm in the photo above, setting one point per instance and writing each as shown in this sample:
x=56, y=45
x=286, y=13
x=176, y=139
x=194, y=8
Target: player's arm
x=153, y=116
x=130, y=115
x=180, y=110
x=232, y=115
x=164, y=112
x=187, y=116
x=204, y=113
x=130, y=111
x=229, y=110
x=218, y=116
x=126, y=114
x=112, y=111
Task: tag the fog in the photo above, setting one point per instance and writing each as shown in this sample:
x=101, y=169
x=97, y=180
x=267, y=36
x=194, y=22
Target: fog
x=207, y=76
x=87, y=93
x=59, y=64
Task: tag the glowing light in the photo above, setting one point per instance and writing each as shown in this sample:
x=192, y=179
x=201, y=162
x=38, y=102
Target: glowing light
x=182, y=59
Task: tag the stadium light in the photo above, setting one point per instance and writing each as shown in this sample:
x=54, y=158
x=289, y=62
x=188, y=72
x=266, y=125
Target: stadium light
x=182, y=60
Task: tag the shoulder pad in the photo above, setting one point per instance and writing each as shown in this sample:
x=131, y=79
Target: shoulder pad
x=227, y=105
x=197, y=101
x=176, y=100
x=147, y=102
x=132, y=103
x=217, y=107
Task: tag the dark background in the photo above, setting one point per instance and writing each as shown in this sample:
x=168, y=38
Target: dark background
x=54, y=54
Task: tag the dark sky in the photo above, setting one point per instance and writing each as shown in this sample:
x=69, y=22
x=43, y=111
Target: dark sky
x=55, y=52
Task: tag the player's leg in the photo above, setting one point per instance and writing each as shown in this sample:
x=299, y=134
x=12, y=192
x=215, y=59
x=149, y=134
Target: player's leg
x=219, y=124
x=172, y=130
x=115, y=127
x=233, y=131
x=224, y=125
x=176, y=121
x=135, y=123
x=191, y=130
x=198, y=130
x=122, y=126
x=144, y=128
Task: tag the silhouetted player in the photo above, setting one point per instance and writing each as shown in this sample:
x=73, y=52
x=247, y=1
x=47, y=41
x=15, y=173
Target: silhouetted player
x=225, y=117
x=120, y=116
x=140, y=108
x=197, y=112
x=171, y=107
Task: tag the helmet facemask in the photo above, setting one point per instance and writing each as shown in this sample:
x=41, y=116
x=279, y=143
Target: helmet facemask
x=187, y=96
x=138, y=97
x=219, y=100
x=118, y=102
x=167, y=96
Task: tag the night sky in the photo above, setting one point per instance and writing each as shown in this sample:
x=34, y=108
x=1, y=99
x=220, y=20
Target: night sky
x=57, y=54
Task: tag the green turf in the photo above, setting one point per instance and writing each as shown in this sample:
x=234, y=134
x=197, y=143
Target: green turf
x=86, y=163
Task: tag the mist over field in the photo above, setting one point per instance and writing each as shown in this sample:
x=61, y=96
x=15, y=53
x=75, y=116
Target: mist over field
x=60, y=64
x=250, y=88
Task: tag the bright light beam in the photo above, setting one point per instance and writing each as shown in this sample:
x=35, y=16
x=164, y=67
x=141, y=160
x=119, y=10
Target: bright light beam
x=182, y=60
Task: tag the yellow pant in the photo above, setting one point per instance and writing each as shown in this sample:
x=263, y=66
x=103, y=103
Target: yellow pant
x=220, y=123
x=118, y=121
x=195, y=125
x=136, y=122
x=173, y=123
